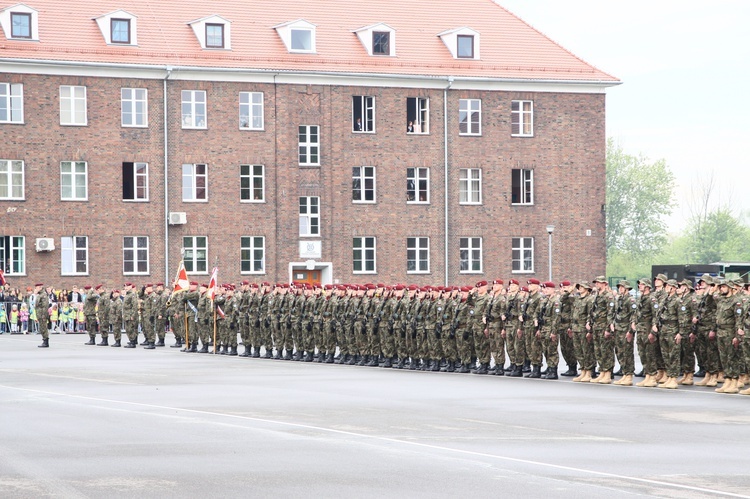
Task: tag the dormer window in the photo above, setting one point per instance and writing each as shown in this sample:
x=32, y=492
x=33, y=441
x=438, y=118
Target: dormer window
x=378, y=39
x=213, y=32
x=118, y=28
x=120, y=31
x=298, y=36
x=20, y=22
x=463, y=43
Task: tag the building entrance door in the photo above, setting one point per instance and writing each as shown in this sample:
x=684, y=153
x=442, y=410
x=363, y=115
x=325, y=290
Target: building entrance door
x=306, y=276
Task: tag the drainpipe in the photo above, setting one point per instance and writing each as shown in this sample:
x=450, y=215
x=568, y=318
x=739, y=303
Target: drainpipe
x=445, y=174
x=166, y=178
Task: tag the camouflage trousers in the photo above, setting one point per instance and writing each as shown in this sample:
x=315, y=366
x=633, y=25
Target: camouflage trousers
x=481, y=343
x=342, y=338
x=399, y=337
x=385, y=337
x=91, y=326
x=519, y=346
x=116, y=330
x=160, y=328
x=434, y=345
x=745, y=368
x=646, y=352
x=670, y=350
x=688, y=350
x=550, y=348
x=567, y=348
x=731, y=356
x=464, y=343
x=43, y=321
x=286, y=334
x=448, y=343
x=360, y=337
x=131, y=330
x=510, y=341
x=604, y=347
x=584, y=350
x=497, y=347
x=147, y=325
x=533, y=345
x=625, y=350
x=713, y=358
x=373, y=341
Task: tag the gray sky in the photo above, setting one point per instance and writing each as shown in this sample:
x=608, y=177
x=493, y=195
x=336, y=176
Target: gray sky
x=685, y=96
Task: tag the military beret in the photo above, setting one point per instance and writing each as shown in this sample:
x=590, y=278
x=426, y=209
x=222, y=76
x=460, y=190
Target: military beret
x=192, y=283
x=116, y=291
x=645, y=281
x=265, y=283
x=549, y=284
x=514, y=281
x=672, y=282
x=149, y=285
x=480, y=284
x=524, y=289
x=88, y=286
x=204, y=285
x=625, y=284
x=466, y=289
x=39, y=285
x=565, y=283
x=99, y=286
x=381, y=285
x=533, y=281
x=498, y=281
x=661, y=277
x=254, y=285
x=399, y=287
x=130, y=284
x=600, y=278
x=159, y=284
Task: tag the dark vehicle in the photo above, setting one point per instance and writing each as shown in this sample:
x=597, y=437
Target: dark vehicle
x=680, y=272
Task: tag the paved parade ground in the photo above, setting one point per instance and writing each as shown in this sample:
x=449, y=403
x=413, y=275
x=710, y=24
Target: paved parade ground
x=89, y=421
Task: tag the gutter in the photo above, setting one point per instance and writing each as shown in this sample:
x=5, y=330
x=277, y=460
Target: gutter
x=166, y=177
x=445, y=177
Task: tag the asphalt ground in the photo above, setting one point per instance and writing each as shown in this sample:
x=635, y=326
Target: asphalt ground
x=87, y=421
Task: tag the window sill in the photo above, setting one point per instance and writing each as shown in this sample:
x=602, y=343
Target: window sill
x=74, y=124
x=310, y=235
x=418, y=272
x=136, y=273
x=418, y=133
x=82, y=200
x=195, y=200
x=522, y=204
x=135, y=126
x=253, y=201
x=135, y=200
x=364, y=202
x=249, y=129
x=363, y=132
x=364, y=272
x=522, y=272
x=12, y=122
x=309, y=165
x=470, y=204
x=471, y=272
x=253, y=273
x=194, y=127
x=469, y=134
x=522, y=136
x=418, y=202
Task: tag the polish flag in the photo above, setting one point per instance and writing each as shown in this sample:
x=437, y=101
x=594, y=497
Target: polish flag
x=211, y=291
x=181, y=283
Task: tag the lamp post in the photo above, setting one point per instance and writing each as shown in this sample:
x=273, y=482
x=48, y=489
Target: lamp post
x=550, y=230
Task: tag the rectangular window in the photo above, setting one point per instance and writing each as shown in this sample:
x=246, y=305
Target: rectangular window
x=470, y=186
x=74, y=253
x=73, y=181
x=11, y=180
x=465, y=46
x=252, y=183
x=135, y=255
x=364, y=255
x=363, y=113
x=309, y=216
x=134, y=105
x=20, y=25
x=381, y=43
x=13, y=255
x=196, y=254
x=470, y=253
x=251, y=110
x=363, y=184
x=120, y=30
x=215, y=36
x=253, y=255
x=135, y=181
x=194, y=182
x=309, y=145
x=73, y=105
x=417, y=115
x=523, y=255
x=417, y=255
x=522, y=186
x=470, y=117
x=11, y=103
x=522, y=118
x=417, y=185
x=302, y=40
x=194, y=109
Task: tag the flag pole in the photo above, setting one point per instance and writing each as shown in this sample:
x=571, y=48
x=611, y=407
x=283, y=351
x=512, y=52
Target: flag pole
x=215, y=345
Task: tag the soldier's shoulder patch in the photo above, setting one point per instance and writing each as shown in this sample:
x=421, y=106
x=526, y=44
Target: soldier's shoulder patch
x=557, y=310
x=683, y=308
x=611, y=304
x=634, y=305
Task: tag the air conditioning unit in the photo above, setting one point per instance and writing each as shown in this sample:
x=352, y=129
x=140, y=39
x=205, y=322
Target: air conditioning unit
x=177, y=218
x=45, y=244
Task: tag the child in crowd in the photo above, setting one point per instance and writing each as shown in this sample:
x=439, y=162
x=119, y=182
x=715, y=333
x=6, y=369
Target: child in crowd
x=3, y=319
x=54, y=318
x=65, y=318
x=34, y=322
x=14, y=319
x=24, y=314
x=81, y=319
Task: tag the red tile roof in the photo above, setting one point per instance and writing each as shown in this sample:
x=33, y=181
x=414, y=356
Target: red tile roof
x=509, y=48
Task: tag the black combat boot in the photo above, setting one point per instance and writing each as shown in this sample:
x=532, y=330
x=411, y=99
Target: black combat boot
x=204, y=348
x=536, y=372
x=618, y=373
x=462, y=368
x=288, y=354
x=103, y=343
x=232, y=351
x=267, y=355
x=350, y=360
x=450, y=367
x=571, y=372
x=362, y=360
x=387, y=362
x=160, y=343
x=526, y=366
x=278, y=355
x=131, y=344
x=700, y=374
x=309, y=357
x=319, y=358
x=116, y=344
x=193, y=347
x=92, y=341
x=510, y=368
x=551, y=372
x=373, y=361
x=499, y=371
x=177, y=343
x=246, y=353
x=256, y=353
x=145, y=342
x=150, y=346
x=329, y=359
x=45, y=344
x=435, y=366
x=482, y=369
x=517, y=371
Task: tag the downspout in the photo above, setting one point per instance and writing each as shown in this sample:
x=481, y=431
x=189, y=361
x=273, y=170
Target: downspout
x=445, y=174
x=276, y=180
x=166, y=178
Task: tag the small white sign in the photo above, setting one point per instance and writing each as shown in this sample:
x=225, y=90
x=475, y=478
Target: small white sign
x=310, y=249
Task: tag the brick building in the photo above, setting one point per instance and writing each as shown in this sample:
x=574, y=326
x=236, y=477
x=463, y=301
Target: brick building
x=341, y=141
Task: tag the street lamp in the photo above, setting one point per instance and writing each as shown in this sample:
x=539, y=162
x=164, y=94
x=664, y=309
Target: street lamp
x=550, y=230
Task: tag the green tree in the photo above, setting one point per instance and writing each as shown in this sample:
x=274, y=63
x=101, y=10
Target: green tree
x=719, y=237
x=640, y=194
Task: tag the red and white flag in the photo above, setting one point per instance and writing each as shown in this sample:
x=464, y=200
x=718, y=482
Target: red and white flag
x=220, y=312
x=212, y=284
x=181, y=282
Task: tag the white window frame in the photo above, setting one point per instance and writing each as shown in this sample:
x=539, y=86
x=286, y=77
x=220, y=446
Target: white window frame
x=466, y=109
x=468, y=248
x=137, y=99
x=362, y=245
x=14, y=254
x=414, y=182
x=311, y=33
x=309, y=216
x=389, y=35
x=251, y=112
x=460, y=37
x=140, y=172
x=470, y=186
x=251, y=250
x=191, y=184
x=76, y=179
x=521, y=118
x=70, y=246
x=11, y=101
x=74, y=105
x=525, y=186
x=367, y=113
x=251, y=188
x=222, y=26
x=129, y=23
x=192, y=120
x=360, y=177
x=27, y=15
x=421, y=115
x=521, y=246
x=11, y=179
x=191, y=257
x=308, y=148
x=135, y=251
x=417, y=252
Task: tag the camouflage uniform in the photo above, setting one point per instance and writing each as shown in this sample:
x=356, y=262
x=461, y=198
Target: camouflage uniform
x=668, y=329
x=566, y=342
x=728, y=313
x=583, y=346
x=644, y=322
x=687, y=311
x=115, y=319
x=626, y=307
x=495, y=324
x=102, y=315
